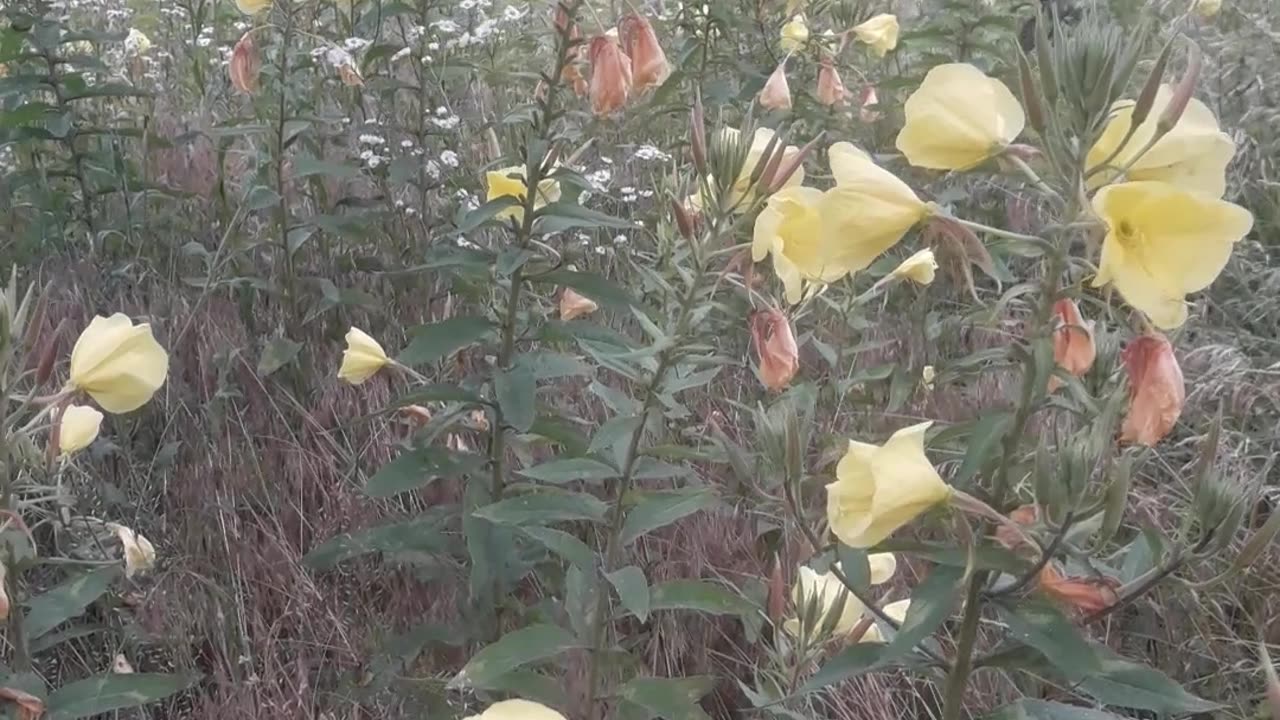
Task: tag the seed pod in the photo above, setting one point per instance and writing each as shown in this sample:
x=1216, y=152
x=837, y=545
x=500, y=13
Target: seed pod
x=1030, y=98
x=778, y=179
x=698, y=136
x=1182, y=93
x=1044, y=58
x=1147, y=97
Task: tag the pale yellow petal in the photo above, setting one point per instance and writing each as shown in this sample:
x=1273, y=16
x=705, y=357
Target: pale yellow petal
x=362, y=359
x=77, y=428
x=118, y=363
x=958, y=118
x=519, y=710
x=883, y=566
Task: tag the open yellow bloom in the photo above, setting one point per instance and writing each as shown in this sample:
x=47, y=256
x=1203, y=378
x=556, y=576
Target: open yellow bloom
x=881, y=488
x=139, y=553
x=880, y=32
x=363, y=358
x=509, y=182
x=1164, y=242
x=958, y=118
x=833, y=595
x=252, y=7
x=77, y=428
x=794, y=34
x=919, y=268
x=517, y=710
x=1193, y=155
x=118, y=363
x=897, y=611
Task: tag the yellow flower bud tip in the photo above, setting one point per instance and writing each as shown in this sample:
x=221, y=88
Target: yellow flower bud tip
x=517, y=710
x=919, y=268
x=881, y=488
x=77, y=428
x=880, y=32
x=363, y=358
x=510, y=182
x=958, y=118
x=119, y=364
x=139, y=553
x=1162, y=243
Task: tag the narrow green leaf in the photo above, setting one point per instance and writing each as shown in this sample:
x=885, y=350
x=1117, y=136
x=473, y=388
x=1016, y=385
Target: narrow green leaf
x=513, y=650
x=304, y=165
x=659, y=509
x=570, y=469
x=853, y=661
x=701, y=595
x=434, y=342
x=1028, y=709
x=563, y=544
x=279, y=352
x=1046, y=629
x=633, y=590
x=931, y=604
x=66, y=601
x=484, y=214
x=1124, y=683
x=981, y=442
x=517, y=392
x=417, y=467
x=423, y=534
x=113, y=691
x=541, y=508
x=669, y=698
x=560, y=216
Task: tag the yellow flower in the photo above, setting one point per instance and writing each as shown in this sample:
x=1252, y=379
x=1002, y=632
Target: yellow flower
x=139, y=553
x=1193, y=155
x=77, y=428
x=517, y=710
x=881, y=488
x=509, y=182
x=252, y=7
x=918, y=268
x=741, y=195
x=880, y=32
x=137, y=43
x=832, y=595
x=1164, y=242
x=896, y=610
x=927, y=376
x=958, y=118
x=794, y=34
x=362, y=359
x=1207, y=8
x=118, y=363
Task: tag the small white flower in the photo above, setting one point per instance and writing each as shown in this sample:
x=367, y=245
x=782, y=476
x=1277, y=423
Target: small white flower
x=448, y=27
x=374, y=161
x=627, y=190
x=372, y=140
x=371, y=121
x=433, y=46
x=433, y=169
x=601, y=250
x=619, y=239
x=511, y=13
x=466, y=4
x=583, y=197
x=354, y=44
x=450, y=158
x=401, y=54
x=649, y=152
x=606, y=160
x=204, y=41
x=406, y=144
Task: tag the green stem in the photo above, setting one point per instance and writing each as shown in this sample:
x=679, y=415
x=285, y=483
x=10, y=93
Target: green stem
x=282, y=209
x=958, y=678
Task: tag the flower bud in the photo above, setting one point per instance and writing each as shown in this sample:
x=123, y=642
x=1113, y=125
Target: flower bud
x=777, y=605
x=698, y=136
x=684, y=220
x=563, y=23
x=1084, y=595
x=1030, y=97
x=867, y=101
x=363, y=358
x=831, y=90
x=1073, y=345
x=245, y=65
x=775, y=347
x=649, y=67
x=573, y=305
x=4, y=592
x=78, y=427
x=776, y=93
x=1182, y=93
x=1026, y=516
x=1156, y=390
x=776, y=180
x=1147, y=97
x=610, y=76
x=919, y=268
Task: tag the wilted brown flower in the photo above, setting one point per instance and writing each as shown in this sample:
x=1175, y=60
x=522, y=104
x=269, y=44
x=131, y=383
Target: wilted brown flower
x=610, y=76
x=245, y=65
x=30, y=707
x=1024, y=516
x=831, y=89
x=1156, y=390
x=649, y=67
x=1073, y=345
x=416, y=415
x=573, y=305
x=776, y=349
x=776, y=93
x=349, y=75
x=1082, y=594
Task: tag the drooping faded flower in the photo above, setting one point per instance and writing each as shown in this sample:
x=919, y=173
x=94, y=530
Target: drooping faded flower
x=573, y=305
x=510, y=182
x=1073, y=346
x=831, y=89
x=649, y=67
x=1080, y=594
x=118, y=363
x=1156, y=390
x=1162, y=243
x=958, y=118
x=919, y=268
x=775, y=346
x=139, y=553
x=776, y=93
x=363, y=358
x=1193, y=155
x=517, y=710
x=880, y=32
x=794, y=34
x=881, y=488
x=245, y=65
x=610, y=84
x=77, y=428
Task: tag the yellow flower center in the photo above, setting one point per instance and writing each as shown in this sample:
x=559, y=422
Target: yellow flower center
x=1129, y=236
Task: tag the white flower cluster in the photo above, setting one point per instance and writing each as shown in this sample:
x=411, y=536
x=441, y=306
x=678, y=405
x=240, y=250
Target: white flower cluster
x=444, y=119
x=651, y=153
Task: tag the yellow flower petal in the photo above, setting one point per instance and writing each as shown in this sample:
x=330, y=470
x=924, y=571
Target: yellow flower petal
x=919, y=268
x=118, y=363
x=362, y=359
x=77, y=428
x=880, y=489
x=509, y=182
x=789, y=229
x=883, y=566
x=1164, y=242
x=794, y=34
x=880, y=32
x=139, y=553
x=517, y=710
x=896, y=610
x=832, y=596
x=958, y=118
x=252, y=7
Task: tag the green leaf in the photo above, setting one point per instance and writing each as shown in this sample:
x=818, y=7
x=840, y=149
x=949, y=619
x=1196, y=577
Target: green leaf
x=851, y=662
x=669, y=698
x=560, y=216
x=701, y=595
x=1045, y=628
x=484, y=214
x=1128, y=684
x=54, y=607
x=517, y=392
x=633, y=590
x=279, y=352
x=418, y=467
x=986, y=557
x=563, y=544
x=114, y=691
x=262, y=197
x=541, y=508
x=659, y=509
x=513, y=650
x=931, y=604
x=1028, y=709
x=305, y=165
x=424, y=534
x=571, y=469
x=591, y=285
x=434, y=342
x=981, y=442
x=439, y=392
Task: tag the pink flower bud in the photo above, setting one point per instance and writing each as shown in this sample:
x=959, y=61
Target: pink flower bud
x=610, y=76
x=776, y=94
x=831, y=90
x=1156, y=390
x=1073, y=346
x=244, y=65
x=649, y=65
x=775, y=348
